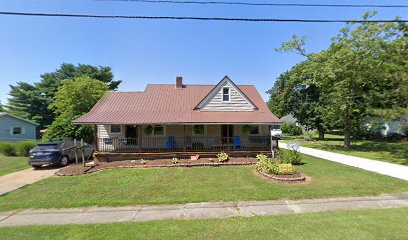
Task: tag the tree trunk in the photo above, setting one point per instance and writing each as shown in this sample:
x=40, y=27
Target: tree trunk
x=347, y=133
x=321, y=133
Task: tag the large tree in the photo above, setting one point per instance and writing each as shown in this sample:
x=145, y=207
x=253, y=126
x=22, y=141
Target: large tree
x=32, y=101
x=74, y=98
x=362, y=74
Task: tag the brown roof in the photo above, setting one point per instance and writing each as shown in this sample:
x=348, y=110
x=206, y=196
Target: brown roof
x=164, y=104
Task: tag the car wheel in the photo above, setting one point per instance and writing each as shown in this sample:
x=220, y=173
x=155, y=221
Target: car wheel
x=36, y=167
x=63, y=161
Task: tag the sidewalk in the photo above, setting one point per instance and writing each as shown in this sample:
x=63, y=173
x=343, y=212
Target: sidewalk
x=196, y=210
x=389, y=169
x=19, y=179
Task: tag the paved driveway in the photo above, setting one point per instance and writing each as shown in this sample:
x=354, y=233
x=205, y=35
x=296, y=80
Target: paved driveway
x=19, y=179
x=389, y=169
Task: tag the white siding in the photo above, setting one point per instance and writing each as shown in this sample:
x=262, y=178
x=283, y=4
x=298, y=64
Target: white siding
x=237, y=102
x=104, y=132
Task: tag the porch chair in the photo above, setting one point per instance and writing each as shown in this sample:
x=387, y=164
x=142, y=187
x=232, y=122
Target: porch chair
x=171, y=142
x=236, y=142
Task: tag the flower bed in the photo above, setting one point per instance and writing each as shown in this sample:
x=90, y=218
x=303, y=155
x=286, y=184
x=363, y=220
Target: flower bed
x=72, y=170
x=287, y=178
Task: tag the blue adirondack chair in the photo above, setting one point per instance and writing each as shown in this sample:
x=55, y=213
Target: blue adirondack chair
x=171, y=142
x=236, y=142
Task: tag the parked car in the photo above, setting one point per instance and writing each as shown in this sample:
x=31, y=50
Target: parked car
x=56, y=153
x=276, y=132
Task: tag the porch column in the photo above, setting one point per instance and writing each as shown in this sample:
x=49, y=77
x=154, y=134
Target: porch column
x=184, y=138
x=139, y=136
x=95, y=138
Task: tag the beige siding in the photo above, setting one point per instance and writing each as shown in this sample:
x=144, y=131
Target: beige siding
x=237, y=102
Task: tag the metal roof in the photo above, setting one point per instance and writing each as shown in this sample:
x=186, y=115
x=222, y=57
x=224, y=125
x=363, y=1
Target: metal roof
x=165, y=104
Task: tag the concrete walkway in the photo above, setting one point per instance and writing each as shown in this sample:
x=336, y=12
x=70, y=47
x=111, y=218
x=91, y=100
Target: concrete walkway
x=19, y=179
x=389, y=169
x=196, y=210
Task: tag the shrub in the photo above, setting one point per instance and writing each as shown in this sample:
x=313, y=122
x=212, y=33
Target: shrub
x=8, y=149
x=265, y=165
x=175, y=160
x=261, y=157
x=143, y=162
x=284, y=169
x=222, y=156
x=290, y=157
x=23, y=148
x=291, y=129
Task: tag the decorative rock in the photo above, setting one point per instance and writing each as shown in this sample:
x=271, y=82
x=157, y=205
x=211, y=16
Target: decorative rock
x=195, y=157
x=90, y=164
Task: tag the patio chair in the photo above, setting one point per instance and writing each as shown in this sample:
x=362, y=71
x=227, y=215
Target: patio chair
x=236, y=142
x=171, y=142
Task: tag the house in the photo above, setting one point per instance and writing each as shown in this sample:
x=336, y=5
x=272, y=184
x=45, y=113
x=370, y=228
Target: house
x=182, y=118
x=13, y=128
x=289, y=119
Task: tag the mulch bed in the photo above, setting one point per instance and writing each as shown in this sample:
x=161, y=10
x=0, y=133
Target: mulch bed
x=289, y=178
x=73, y=170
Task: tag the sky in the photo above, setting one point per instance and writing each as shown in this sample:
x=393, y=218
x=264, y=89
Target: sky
x=156, y=51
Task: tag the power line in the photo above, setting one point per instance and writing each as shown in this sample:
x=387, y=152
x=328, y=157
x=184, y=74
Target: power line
x=73, y=15
x=266, y=4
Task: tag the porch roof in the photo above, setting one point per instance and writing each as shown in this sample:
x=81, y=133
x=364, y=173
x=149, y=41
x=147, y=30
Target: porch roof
x=165, y=104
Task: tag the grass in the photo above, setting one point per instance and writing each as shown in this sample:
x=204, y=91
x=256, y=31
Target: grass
x=12, y=164
x=377, y=150
x=361, y=224
x=121, y=187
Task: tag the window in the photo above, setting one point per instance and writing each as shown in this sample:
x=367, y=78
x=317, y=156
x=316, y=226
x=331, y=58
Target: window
x=158, y=130
x=225, y=94
x=16, y=130
x=198, y=130
x=115, y=129
x=254, y=130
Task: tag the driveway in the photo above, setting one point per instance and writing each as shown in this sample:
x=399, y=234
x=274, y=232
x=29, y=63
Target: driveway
x=389, y=169
x=19, y=179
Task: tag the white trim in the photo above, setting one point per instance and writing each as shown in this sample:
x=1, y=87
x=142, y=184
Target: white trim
x=229, y=94
x=12, y=131
x=199, y=135
x=216, y=89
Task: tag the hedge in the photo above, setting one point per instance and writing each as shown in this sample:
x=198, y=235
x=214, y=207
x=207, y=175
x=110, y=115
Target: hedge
x=17, y=148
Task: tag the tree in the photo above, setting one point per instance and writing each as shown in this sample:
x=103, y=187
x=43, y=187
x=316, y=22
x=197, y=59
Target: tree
x=1, y=107
x=32, y=101
x=74, y=98
x=276, y=102
x=362, y=74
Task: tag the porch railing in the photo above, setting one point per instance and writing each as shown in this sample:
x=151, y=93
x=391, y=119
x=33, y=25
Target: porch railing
x=184, y=144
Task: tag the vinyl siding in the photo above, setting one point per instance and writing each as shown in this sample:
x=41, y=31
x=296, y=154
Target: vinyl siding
x=237, y=102
x=7, y=123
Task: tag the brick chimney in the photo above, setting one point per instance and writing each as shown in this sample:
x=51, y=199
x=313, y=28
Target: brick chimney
x=179, y=82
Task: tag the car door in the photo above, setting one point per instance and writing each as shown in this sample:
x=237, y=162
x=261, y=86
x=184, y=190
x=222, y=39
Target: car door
x=70, y=152
x=88, y=150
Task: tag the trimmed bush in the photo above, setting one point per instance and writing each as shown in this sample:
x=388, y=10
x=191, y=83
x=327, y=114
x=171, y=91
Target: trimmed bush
x=291, y=129
x=290, y=157
x=23, y=148
x=8, y=149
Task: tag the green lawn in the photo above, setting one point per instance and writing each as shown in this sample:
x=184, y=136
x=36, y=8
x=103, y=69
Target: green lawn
x=362, y=225
x=377, y=150
x=12, y=164
x=121, y=187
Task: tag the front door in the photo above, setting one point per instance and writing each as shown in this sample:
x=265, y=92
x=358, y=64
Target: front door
x=131, y=134
x=227, y=132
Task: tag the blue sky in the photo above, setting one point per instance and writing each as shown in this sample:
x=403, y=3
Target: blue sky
x=144, y=51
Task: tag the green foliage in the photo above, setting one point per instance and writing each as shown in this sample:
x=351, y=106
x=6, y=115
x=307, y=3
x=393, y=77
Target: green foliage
x=23, y=148
x=33, y=101
x=8, y=149
x=74, y=98
x=175, y=160
x=362, y=74
x=261, y=157
x=290, y=157
x=222, y=156
x=291, y=129
x=284, y=169
x=265, y=165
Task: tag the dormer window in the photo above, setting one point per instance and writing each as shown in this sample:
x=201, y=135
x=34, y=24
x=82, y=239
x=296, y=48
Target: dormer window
x=225, y=94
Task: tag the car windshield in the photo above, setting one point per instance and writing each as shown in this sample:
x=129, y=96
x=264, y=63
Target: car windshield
x=42, y=147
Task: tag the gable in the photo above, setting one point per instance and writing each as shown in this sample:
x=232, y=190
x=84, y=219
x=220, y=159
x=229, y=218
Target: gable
x=236, y=101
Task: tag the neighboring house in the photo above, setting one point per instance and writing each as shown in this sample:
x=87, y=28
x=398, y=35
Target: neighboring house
x=182, y=118
x=289, y=119
x=386, y=128
x=13, y=128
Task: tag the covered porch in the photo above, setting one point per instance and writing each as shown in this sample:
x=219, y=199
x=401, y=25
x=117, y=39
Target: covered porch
x=183, y=138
